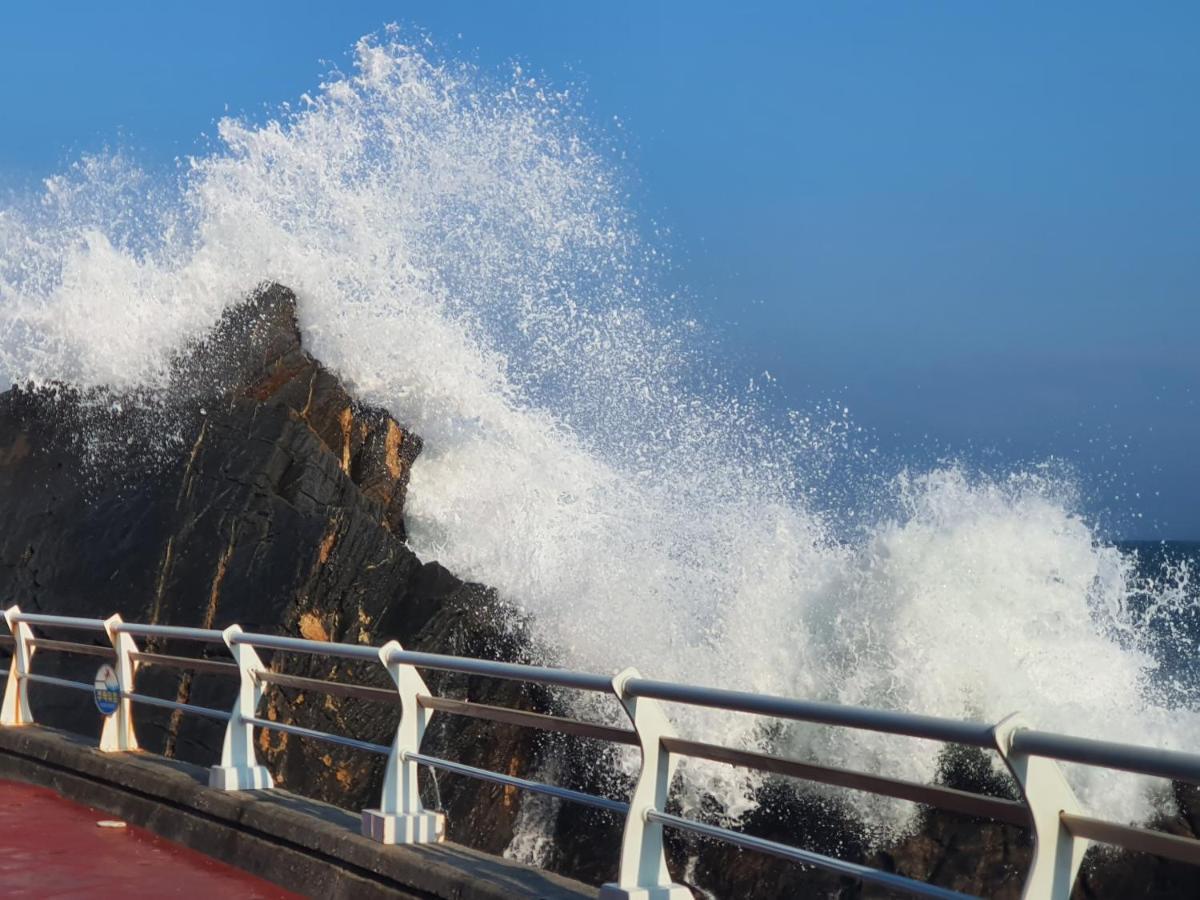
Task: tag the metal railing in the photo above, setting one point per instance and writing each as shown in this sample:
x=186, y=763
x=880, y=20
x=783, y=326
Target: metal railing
x=1061, y=831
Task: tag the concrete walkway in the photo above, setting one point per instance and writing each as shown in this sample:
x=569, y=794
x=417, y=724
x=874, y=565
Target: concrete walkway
x=51, y=847
x=312, y=848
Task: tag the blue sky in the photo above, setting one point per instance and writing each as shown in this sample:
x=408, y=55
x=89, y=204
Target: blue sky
x=976, y=224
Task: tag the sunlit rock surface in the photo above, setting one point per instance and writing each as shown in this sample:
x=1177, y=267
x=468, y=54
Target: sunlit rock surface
x=277, y=504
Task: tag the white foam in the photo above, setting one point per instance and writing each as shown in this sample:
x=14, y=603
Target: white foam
x=464, y=257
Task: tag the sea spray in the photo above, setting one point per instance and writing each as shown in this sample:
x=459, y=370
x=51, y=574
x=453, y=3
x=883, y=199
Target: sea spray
x=464, y=255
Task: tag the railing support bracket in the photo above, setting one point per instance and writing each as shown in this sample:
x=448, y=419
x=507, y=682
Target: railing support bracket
x=400, y=818
x=16, y=692
x=117, y=734
x=1057, y=854
x=239, y=769
x=643, y=873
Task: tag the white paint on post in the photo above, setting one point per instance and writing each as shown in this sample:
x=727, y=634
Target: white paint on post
x=117, y=734
x=1057, y=854
x=16, y=692
x=401, y=819
x=239, y=769
x=643, y=873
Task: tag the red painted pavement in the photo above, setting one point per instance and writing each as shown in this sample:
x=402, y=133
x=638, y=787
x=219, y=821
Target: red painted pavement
x=51, y=847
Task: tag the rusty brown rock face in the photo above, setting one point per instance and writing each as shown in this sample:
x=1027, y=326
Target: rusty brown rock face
x=255, y=353
x=279, y=505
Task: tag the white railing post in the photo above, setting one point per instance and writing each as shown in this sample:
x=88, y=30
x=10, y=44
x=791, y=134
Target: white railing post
x=117, y=734
x=16, y=692
x=401, y=819
x=1057, y=854
x=643, y=871
x=239, y=769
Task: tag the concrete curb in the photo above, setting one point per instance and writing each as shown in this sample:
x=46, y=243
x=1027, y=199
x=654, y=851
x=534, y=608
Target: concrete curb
x=306, y=846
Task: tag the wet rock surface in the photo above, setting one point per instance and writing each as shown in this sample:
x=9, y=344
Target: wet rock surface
x=277, y=504
x=256, y=490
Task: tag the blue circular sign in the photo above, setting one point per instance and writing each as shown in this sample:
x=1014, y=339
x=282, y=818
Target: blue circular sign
x=107, y=690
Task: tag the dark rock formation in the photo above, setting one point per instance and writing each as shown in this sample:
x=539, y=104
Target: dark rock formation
x=277, y=504
x=254, y=489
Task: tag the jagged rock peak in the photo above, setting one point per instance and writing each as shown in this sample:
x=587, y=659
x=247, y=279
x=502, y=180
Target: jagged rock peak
x=256, y=352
